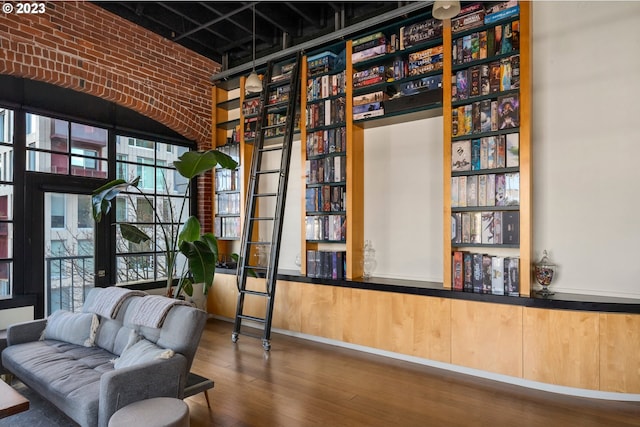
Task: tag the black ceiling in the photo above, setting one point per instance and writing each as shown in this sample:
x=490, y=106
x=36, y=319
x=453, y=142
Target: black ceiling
x=222, y=30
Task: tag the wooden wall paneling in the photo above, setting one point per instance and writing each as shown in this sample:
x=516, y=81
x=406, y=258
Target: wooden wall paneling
x=355, y=180
x=619, y=352
x=303, y=160
x=223, y=296
x=431, y=328
x=446, y=150
x=286, y=312
x=321, y=310
x=561, y=347
x=526, y=181
x=487, y=336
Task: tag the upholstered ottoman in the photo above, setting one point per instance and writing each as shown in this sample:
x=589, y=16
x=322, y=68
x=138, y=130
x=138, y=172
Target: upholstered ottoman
x=157, y=412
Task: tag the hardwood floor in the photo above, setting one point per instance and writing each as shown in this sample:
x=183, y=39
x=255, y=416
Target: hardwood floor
x=303, y=383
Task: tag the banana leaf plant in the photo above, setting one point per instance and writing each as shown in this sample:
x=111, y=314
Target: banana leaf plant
x=200, y=250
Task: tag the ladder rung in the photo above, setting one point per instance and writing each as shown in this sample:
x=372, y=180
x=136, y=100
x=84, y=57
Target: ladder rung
x=272, y=148
x=263, y=218
x=259, y=243
x=255, y=267
x=259, y=293
x=253, y=318
x=266, y=195
x=249, y=334
x=269, y=171
x=274, y=126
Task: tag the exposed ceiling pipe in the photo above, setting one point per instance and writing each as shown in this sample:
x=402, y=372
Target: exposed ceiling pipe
x=332, y=37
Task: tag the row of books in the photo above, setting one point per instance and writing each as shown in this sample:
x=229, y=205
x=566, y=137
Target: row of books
x=326, y=198
x=491, y=152
x=325, y=86
x=227, y=203
x=501, y=189
x=227, y=179
x=486, y=228
x=476, y=15
x=326, y=227
x=284, y=72
x=485, y=79
x=326, y=142
x=498, y=40
x=251, y=107
x=486, y=116
x=227, y=227
x=323, y=62
x=279, y=94
x=327, y=169
x=368, y=47
x=231, y=149
x=425, y=61
x=326, y=264
x=369, y=105
x=329, y=112
x=485, y=274
x=250, y=127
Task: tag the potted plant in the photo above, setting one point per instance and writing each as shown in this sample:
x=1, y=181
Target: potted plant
x=200, y=250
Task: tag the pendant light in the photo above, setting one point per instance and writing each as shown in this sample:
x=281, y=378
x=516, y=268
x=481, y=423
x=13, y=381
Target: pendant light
x=445, y=9
x=253, y=83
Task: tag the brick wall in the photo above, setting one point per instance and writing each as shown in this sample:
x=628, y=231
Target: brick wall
x=79, y=46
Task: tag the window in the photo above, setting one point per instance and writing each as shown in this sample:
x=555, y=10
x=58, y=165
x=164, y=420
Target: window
x=159, y=182
x=85, y=161
x=57, y=210
x=85, y=217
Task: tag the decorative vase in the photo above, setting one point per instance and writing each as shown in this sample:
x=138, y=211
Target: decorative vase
x=369, y=262
x=544, y=271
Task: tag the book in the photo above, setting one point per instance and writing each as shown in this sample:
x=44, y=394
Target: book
x=461, y=155
x=487, y=228
x=494, y=77
x=491, y=189
x=466, y=227
x=458, y=279
x=508, y=111
x=462, y=191
x=512, y=150
x=476, y=145
x=512, y=276
x=486, y=274
x=475, y=236
x=420, y=32
x=482, y=190
x=485, y=81
x=497, y=275
x=467, y=270
x=476, y=279
x=505, y=74
x=456, y=227
x=511, y=228
x=472, y=190
x=515, y=71
x=462, y=84
x=501, y=14
x=454, y=191
x=512, y=189
x=501, y=151
x=500, y=190
x=467, y=22
x=497, y=228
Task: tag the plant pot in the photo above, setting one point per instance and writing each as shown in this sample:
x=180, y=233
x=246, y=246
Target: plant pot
x=199, y=299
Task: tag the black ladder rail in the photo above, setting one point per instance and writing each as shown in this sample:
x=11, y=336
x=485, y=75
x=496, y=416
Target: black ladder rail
x=254, y=218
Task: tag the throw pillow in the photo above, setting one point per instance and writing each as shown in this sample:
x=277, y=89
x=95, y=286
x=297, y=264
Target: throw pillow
x=141, y=352
x=74, y=328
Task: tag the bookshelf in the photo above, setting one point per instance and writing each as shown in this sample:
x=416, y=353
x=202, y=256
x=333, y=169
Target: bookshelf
x=487, y=158
x=397, y=70
x=332, y=167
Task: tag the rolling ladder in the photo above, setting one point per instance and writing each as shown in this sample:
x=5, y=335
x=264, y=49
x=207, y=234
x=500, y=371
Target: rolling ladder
x=266, y=194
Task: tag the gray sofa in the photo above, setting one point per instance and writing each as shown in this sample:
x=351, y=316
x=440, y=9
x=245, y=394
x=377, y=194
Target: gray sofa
x=124, y=360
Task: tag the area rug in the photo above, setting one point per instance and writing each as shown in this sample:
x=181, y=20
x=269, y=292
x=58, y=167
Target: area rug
x=40, y=414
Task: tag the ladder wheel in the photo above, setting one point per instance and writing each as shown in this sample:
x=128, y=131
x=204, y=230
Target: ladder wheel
x=266, y=344
x=234, y=337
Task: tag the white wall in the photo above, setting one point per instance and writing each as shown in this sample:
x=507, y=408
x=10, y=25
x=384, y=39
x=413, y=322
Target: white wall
x=586, y=144
x=403, y=197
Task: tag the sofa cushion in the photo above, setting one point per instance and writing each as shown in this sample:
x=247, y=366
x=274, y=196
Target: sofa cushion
x=141, y=352
x=74, y=328
x=66, y=374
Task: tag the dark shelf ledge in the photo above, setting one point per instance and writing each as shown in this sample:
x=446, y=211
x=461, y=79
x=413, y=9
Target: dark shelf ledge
x=559, y=301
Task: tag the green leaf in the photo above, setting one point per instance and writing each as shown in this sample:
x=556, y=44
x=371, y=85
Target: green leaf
x=101, y=197
x=187, y=287
x=202, y=260
x=133, y=233
x=190, y=231
x=194, y=163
